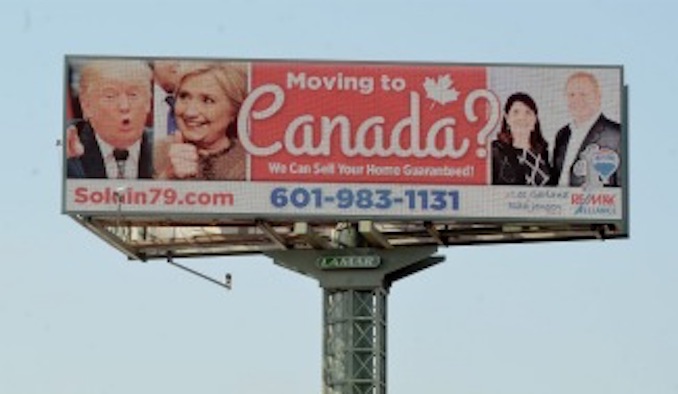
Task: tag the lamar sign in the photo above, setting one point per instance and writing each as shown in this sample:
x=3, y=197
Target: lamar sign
x=348, y=262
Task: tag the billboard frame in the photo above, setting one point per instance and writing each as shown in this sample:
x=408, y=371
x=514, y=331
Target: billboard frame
x=260, y=232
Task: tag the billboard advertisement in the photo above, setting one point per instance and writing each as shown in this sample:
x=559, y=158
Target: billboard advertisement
x=316, y=139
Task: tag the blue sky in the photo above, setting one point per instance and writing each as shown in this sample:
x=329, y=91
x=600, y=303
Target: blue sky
x=558, y=318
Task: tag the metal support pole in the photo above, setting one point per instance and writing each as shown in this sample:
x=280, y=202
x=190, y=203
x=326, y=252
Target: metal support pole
x=355, y=292
x=354, y=341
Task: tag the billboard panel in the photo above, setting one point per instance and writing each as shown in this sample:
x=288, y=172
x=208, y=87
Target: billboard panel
x=341, y=140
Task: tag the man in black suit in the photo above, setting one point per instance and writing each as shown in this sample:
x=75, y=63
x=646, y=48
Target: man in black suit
x=112, y=141
x=587, y=152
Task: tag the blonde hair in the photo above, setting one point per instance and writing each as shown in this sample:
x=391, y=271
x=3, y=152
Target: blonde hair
x=231, y=77
x=94, y=70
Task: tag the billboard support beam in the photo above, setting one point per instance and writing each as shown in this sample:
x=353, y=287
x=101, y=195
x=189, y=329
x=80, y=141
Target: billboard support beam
x=367, y=229
x=110, y=238
x=272, y=234
x=304, y=230
x=355, y=283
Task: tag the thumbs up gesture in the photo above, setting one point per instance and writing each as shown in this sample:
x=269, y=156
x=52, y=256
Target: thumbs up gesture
x=183, y=158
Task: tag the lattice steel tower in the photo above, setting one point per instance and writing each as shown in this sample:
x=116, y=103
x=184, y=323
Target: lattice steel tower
x=355, y=284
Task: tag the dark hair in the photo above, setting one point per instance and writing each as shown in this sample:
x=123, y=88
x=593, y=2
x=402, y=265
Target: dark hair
x=537, y=141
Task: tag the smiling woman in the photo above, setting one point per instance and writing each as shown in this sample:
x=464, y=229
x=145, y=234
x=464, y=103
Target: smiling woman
x=520, y=153
x=208, y=98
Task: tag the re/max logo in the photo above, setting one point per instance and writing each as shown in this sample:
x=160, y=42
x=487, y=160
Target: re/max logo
x=593, y=199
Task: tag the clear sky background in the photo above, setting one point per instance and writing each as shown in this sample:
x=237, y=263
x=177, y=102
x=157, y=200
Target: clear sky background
x=554, y=318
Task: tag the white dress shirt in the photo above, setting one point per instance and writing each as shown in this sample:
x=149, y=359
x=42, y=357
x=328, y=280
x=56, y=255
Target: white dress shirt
x=577, y=136
x=131, y=165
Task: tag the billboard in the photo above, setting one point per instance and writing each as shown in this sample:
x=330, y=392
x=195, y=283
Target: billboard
x=220, y=138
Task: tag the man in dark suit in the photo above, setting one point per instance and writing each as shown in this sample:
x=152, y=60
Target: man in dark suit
x=166, y=75
x=587, y=152
x=112, y=141
x=90, y=163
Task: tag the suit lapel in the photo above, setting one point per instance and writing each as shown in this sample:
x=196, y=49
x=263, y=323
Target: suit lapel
x=593, y=135
x=561, y=151
x=92, y=161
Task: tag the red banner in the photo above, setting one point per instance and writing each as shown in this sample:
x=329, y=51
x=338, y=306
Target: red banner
x=368, y=123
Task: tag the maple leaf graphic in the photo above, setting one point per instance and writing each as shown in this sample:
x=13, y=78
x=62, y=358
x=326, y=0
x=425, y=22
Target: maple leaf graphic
x=441, y=90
